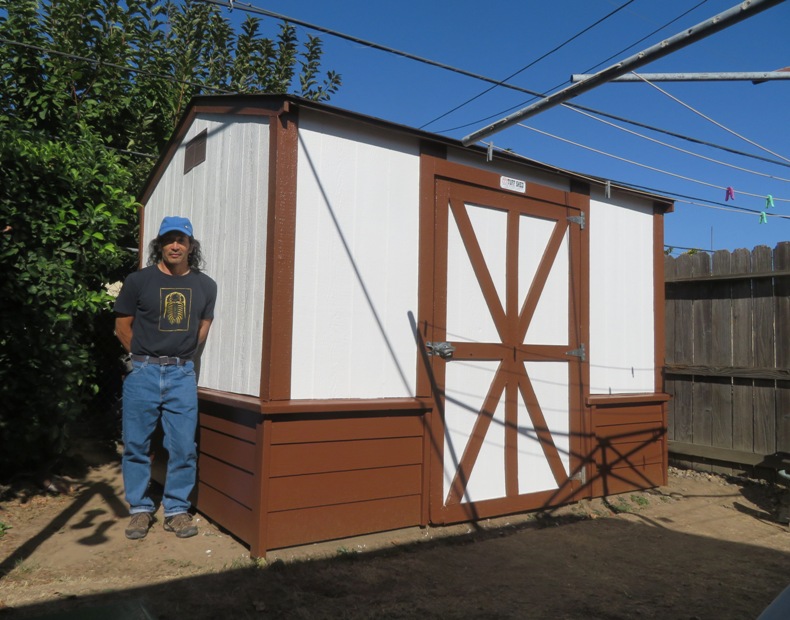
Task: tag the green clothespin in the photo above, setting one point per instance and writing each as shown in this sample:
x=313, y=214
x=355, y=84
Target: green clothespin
x=763, y=218
x=769, y=201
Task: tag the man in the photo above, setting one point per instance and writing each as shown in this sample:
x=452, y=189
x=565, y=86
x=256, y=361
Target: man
x=163, y=316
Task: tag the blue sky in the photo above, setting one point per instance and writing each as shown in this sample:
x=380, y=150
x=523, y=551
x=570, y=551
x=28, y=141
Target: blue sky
x=497, y=38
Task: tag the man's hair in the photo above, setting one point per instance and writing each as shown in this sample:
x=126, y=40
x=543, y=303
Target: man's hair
x=195, y=258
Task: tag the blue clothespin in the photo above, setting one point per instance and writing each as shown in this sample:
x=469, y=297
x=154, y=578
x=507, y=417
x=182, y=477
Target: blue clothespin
x=763, y=218
x=769, y=201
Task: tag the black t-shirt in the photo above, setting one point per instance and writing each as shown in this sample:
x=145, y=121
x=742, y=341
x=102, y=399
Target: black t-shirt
x=167, y=310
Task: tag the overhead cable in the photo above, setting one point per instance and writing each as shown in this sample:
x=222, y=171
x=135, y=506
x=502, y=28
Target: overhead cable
x=253, y=9
x=708, y=118
x=615, y=55
x=531, y=64
x=687, y=152
x=644, y=38
x=682, y=39
x=636, y=163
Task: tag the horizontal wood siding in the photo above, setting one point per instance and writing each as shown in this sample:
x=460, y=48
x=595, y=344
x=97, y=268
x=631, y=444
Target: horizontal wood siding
x=625, y=480
x=296, y=492
x=318, y=430
x=229, y=514
x=295, y=527
x=630, y=450
x=231, y=481
x=351, y=475
x=231, y=450
x=227, y=467
x=313, y=458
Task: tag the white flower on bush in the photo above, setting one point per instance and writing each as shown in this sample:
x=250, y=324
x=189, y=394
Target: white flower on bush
x=113, y=289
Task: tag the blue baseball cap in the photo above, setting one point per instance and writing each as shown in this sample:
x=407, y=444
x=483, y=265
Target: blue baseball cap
x=174, y=222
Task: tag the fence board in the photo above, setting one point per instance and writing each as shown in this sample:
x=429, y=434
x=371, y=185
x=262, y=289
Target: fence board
x=683, y=347
x=669, y=345
x=782, y=320
x=702, y=305
x=742, y=352
x=763, y=329
x=721, y=352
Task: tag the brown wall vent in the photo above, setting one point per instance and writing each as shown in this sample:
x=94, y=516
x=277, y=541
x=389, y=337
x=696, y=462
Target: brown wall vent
x=196, y=151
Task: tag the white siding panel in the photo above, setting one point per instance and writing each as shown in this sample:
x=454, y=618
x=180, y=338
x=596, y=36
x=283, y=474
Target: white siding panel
x=226, y=197
x=468, y=316
x=487, y=479
x=550, y=382
x=356, y=271
x=621, y=297
x=549, y=324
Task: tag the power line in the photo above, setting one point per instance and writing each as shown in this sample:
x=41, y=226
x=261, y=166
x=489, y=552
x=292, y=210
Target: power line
x=531, y=64
x=708, y=204
x=683, y=39
x=669, y=23
x=621, y=52
x=636, y=163
x=571, y=106
x=644, y=38
x=622, y=119
x=687, y=152
x=707, y=118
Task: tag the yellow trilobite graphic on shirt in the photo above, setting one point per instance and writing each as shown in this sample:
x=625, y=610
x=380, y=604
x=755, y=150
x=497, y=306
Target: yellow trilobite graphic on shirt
x=174, y=309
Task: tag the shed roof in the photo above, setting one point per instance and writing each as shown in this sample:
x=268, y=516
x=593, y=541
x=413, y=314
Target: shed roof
x=250, y=103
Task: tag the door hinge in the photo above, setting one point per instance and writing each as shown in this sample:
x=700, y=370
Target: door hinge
x=580, y=475
x=578, y=352
x=577, y=219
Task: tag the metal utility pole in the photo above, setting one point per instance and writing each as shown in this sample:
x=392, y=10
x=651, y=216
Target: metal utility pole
x=753, y=76
x=719, y=22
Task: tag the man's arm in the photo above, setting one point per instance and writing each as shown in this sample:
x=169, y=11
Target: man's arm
x=205, y=325
x=123, y=330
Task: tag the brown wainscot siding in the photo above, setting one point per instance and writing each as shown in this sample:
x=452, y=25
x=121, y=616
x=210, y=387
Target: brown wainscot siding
x=630, y=451
x=294, y=473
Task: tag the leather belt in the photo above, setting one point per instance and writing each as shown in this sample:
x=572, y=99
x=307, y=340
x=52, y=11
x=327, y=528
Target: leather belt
x=161, y=361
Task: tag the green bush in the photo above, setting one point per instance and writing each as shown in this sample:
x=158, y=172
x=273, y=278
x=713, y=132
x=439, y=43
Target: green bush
x=64, y=215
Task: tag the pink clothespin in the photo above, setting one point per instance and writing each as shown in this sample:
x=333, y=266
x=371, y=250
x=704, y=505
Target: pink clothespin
x=730, y=195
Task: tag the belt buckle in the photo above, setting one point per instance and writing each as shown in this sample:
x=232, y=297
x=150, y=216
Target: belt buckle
x=164, y=360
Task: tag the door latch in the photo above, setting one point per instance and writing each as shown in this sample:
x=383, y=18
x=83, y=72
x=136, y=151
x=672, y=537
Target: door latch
x=443, y=349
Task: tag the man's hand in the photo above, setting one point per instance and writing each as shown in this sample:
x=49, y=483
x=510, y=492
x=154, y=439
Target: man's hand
x=123, y=330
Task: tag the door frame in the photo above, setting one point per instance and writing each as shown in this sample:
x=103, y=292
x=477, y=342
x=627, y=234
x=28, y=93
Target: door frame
x=430, y=371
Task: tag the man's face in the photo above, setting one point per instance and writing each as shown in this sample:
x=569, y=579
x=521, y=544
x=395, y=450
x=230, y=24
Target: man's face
x=175, y=249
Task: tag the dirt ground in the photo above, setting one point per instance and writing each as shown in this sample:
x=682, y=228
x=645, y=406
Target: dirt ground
x=705, y=546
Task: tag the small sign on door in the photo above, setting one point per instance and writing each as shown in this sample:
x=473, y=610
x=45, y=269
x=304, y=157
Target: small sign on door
x=513, y=185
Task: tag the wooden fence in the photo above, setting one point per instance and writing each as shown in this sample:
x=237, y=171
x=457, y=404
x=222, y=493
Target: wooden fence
x=728, y=355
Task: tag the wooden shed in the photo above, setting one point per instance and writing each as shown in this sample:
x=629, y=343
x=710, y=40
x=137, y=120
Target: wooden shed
x=408, y=331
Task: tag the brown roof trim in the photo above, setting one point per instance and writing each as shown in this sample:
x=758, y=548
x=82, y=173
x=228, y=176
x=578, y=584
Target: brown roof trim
x=273, y=105
x=262, y=106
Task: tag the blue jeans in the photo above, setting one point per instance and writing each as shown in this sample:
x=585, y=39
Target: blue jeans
x=151, y=391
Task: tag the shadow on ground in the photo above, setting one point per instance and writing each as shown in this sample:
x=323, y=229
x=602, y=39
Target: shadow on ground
x=595, y=568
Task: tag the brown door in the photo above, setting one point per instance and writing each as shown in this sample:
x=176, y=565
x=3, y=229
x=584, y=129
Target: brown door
x=505, y=338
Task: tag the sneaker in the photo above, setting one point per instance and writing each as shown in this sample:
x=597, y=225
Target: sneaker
x=181, y=524
x=138, y=525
